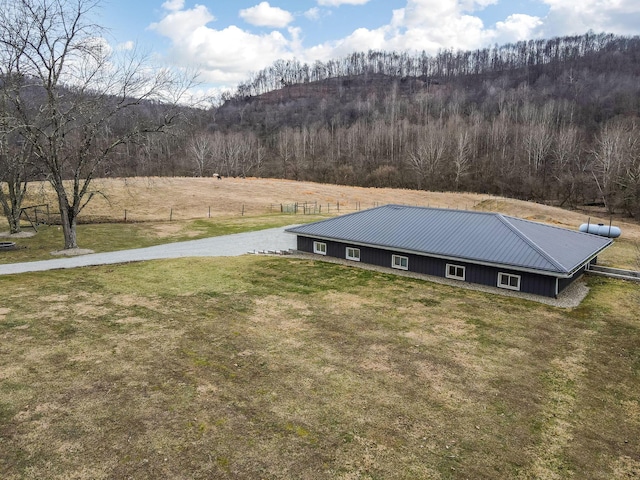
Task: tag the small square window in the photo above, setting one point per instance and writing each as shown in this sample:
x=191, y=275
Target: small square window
x=353, y=254
x=456, y=272
x=400, y=262
x=320, y=248
x=506, y=280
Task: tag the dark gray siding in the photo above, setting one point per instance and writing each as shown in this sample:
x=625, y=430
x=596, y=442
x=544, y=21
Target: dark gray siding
x=565, y=282
x=480, y=274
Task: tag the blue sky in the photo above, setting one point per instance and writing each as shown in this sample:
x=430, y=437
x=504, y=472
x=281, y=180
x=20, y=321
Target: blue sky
x=226, y=40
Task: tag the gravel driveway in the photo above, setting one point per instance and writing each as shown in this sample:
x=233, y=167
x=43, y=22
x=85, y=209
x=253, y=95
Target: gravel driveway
x=224, y=246
x=271, y=239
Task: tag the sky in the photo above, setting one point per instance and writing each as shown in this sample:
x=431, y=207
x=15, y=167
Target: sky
x=227, y=40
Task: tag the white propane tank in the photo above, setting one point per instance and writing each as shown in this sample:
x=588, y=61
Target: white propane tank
x=601, y=229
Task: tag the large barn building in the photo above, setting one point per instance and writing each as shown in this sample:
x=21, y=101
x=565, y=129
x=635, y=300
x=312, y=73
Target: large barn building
x=476, y=247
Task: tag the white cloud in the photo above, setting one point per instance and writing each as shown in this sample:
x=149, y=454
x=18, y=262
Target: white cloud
x=428, y=25
x=517, y=27
x=568, y=17
x=126, y=46
x=173, y=5
x=224, y=57
x=227, y=56
x=360, y=40
x=312, y=13
x=264, y=15
x=473, y=5
x=337, y=3
x=179, y=25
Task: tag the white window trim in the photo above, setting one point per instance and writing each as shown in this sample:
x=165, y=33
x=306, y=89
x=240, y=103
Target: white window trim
x=509, y=287
x=399, y=266
x=320, y=248
x=455, y=277
x=355, y=258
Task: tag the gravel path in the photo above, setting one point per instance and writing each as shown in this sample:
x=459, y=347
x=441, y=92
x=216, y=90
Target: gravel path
x=224, y=246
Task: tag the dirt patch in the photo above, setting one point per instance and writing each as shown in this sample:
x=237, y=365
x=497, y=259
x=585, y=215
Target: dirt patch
x=341, y=302
x=72, y=252
x=165, y=230
x=55, y=298
x=285, y=318
x=17, y=235
x=627, y=469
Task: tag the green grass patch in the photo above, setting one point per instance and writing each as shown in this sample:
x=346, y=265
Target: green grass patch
x=262, y=367
x=623, y=253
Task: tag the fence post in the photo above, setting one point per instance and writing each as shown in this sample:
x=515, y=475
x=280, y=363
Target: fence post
x=243, y=209
x=125, y=215
x=171, y=215
x=209, y=211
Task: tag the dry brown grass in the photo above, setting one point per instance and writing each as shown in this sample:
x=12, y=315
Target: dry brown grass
x=260, y=367
x=152, y=198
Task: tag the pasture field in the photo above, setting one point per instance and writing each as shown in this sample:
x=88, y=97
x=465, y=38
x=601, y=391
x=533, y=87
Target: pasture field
x=260, y=367
x=160, y=210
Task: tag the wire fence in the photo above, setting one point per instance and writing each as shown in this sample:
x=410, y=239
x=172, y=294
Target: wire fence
x=165, y=213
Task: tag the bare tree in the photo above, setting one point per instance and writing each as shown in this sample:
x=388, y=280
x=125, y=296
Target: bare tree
x=15, y=154
x=462, y=157
x=251, y=154
x=425, y=159
x=81, y=100
x=200, y=147
x=568, y=168
x=608, y=158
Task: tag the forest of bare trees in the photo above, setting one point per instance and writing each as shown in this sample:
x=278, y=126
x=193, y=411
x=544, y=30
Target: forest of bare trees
x=548, y=120
x=555, y=54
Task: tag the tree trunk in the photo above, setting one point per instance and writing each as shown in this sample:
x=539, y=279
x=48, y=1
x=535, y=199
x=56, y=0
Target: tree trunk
x=69, y=222
x=12, y=207
x=69, y=231
x=12, y=219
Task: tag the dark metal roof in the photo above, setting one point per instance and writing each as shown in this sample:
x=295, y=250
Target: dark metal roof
x=479, y=237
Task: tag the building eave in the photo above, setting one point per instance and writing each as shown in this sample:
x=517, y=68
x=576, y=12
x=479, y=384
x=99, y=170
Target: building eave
x=518, y=268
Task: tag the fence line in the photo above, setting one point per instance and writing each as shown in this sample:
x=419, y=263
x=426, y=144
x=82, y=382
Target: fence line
x=170, y=213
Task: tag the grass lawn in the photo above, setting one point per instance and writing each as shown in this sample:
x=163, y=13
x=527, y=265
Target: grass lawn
x=276, y=368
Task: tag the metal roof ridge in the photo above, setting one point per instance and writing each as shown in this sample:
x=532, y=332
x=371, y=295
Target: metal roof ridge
x=505, y=220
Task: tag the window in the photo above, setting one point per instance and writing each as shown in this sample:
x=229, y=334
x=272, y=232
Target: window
x=455, y=271
x=353, y=254
x=400, y=262
x=506, y=280
x=320, y=248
